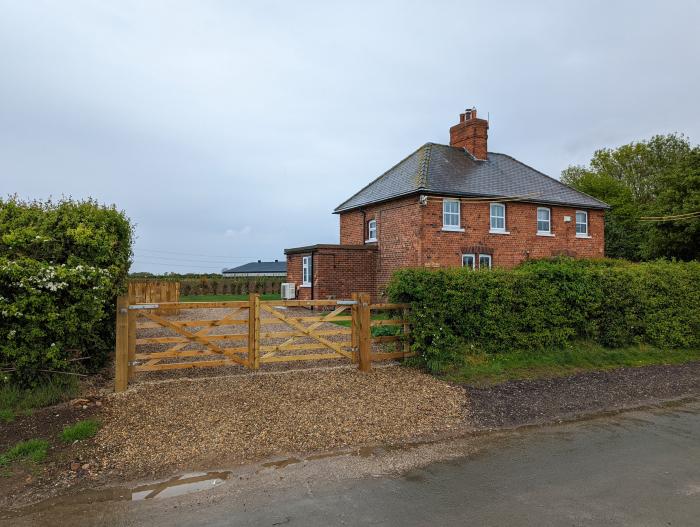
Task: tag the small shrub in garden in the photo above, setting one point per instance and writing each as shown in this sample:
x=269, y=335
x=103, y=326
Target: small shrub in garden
x=547, y=304
x=80, y=431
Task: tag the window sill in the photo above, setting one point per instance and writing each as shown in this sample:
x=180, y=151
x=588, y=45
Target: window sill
x=305, y=285
x=499, y=232
x=547, y=234
x=452, y=229
x=584, y=236
x=371, y=240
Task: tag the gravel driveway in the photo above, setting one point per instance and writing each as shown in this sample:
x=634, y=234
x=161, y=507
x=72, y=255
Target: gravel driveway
x=189, y=424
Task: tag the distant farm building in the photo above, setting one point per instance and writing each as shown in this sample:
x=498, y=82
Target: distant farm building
x=258, y=268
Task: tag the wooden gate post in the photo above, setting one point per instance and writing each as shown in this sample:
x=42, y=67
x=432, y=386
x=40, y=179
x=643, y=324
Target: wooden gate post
x=253, y=331
x=121, y=359
x=365, y=333
x=355, y=327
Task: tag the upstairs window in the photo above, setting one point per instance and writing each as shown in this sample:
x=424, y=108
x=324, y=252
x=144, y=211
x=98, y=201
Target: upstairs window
x=544, y=220
x=581, y=223
x=450, y=215
x=498, y=217
x=372, y=231
x=306, y=271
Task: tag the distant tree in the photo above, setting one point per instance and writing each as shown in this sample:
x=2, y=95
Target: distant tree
x=658, y=177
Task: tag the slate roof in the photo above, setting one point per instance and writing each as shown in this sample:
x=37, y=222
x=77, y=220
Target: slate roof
x=259, y=267
x=452, y=171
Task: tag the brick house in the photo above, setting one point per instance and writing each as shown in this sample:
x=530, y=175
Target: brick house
x=446, y=206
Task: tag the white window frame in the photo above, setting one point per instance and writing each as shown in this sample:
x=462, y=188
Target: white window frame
x=485, y=256
x=473, y=257
x=497, y=230
x=306, y=271
x=576, y=224
x=370, y=228
x=549, y=222
x=445, y=214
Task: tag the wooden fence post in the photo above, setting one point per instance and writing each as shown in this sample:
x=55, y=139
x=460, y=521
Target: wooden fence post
x=355, y=326
x=131, y=321
x=365, y=333
x=121, y=359
x=253, y=331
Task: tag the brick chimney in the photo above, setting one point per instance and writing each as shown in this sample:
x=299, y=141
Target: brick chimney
x=471, y=133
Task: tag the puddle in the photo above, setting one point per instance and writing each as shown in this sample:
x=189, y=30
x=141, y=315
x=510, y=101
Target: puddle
x=175, y=486
x=282, y=463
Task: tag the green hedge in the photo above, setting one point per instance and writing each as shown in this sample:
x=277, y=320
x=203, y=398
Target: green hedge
x=547, y=304
x=62, y=265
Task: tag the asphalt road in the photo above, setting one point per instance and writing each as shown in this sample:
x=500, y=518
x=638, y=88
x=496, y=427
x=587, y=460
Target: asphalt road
x=640, y=468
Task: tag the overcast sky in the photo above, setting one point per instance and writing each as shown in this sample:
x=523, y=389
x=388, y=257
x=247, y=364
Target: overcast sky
x=228, y=131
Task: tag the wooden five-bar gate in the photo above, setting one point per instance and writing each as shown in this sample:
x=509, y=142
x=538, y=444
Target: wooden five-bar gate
x=181, y=335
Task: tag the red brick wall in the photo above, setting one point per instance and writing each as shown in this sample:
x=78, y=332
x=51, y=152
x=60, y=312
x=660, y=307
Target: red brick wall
x=399, y=226
x=352, y=227
x=337, y=272
x=444, y=248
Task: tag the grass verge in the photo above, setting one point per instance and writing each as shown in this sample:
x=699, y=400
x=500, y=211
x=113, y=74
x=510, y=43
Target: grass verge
x=80, y=430
x=377, y=331
x=225, y=298
x=15, y=400
x=33, y=450
x=491, y=368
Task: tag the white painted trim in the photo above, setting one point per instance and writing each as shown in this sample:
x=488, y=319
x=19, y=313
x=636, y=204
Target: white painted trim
x=549, y=221
x=309, y=268
x=545, y=234
x=486, y=256
x=492, y=229
x=459, y=215
x=576, y=223
x=499, y=232
x=474, y=262
x=584, y=236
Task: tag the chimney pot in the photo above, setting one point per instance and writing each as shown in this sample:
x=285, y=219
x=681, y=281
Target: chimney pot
x=471, y=134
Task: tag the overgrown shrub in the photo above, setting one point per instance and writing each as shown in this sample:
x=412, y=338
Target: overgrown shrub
x=547, y=304
x=62, y=265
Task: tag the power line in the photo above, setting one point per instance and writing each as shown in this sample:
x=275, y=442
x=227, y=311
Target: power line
x=673, y=217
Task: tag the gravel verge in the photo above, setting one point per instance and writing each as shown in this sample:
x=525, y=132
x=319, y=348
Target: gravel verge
x=209, y=422
x=525, y=402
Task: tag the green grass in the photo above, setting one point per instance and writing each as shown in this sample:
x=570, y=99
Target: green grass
x=487, y=368
x=225, y=298
x=377, y=331
x=15, y=400
x=33, y=450
x=80, y=430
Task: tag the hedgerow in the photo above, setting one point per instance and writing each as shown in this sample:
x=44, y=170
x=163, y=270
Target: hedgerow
x=62, y=264
x=549, y=304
